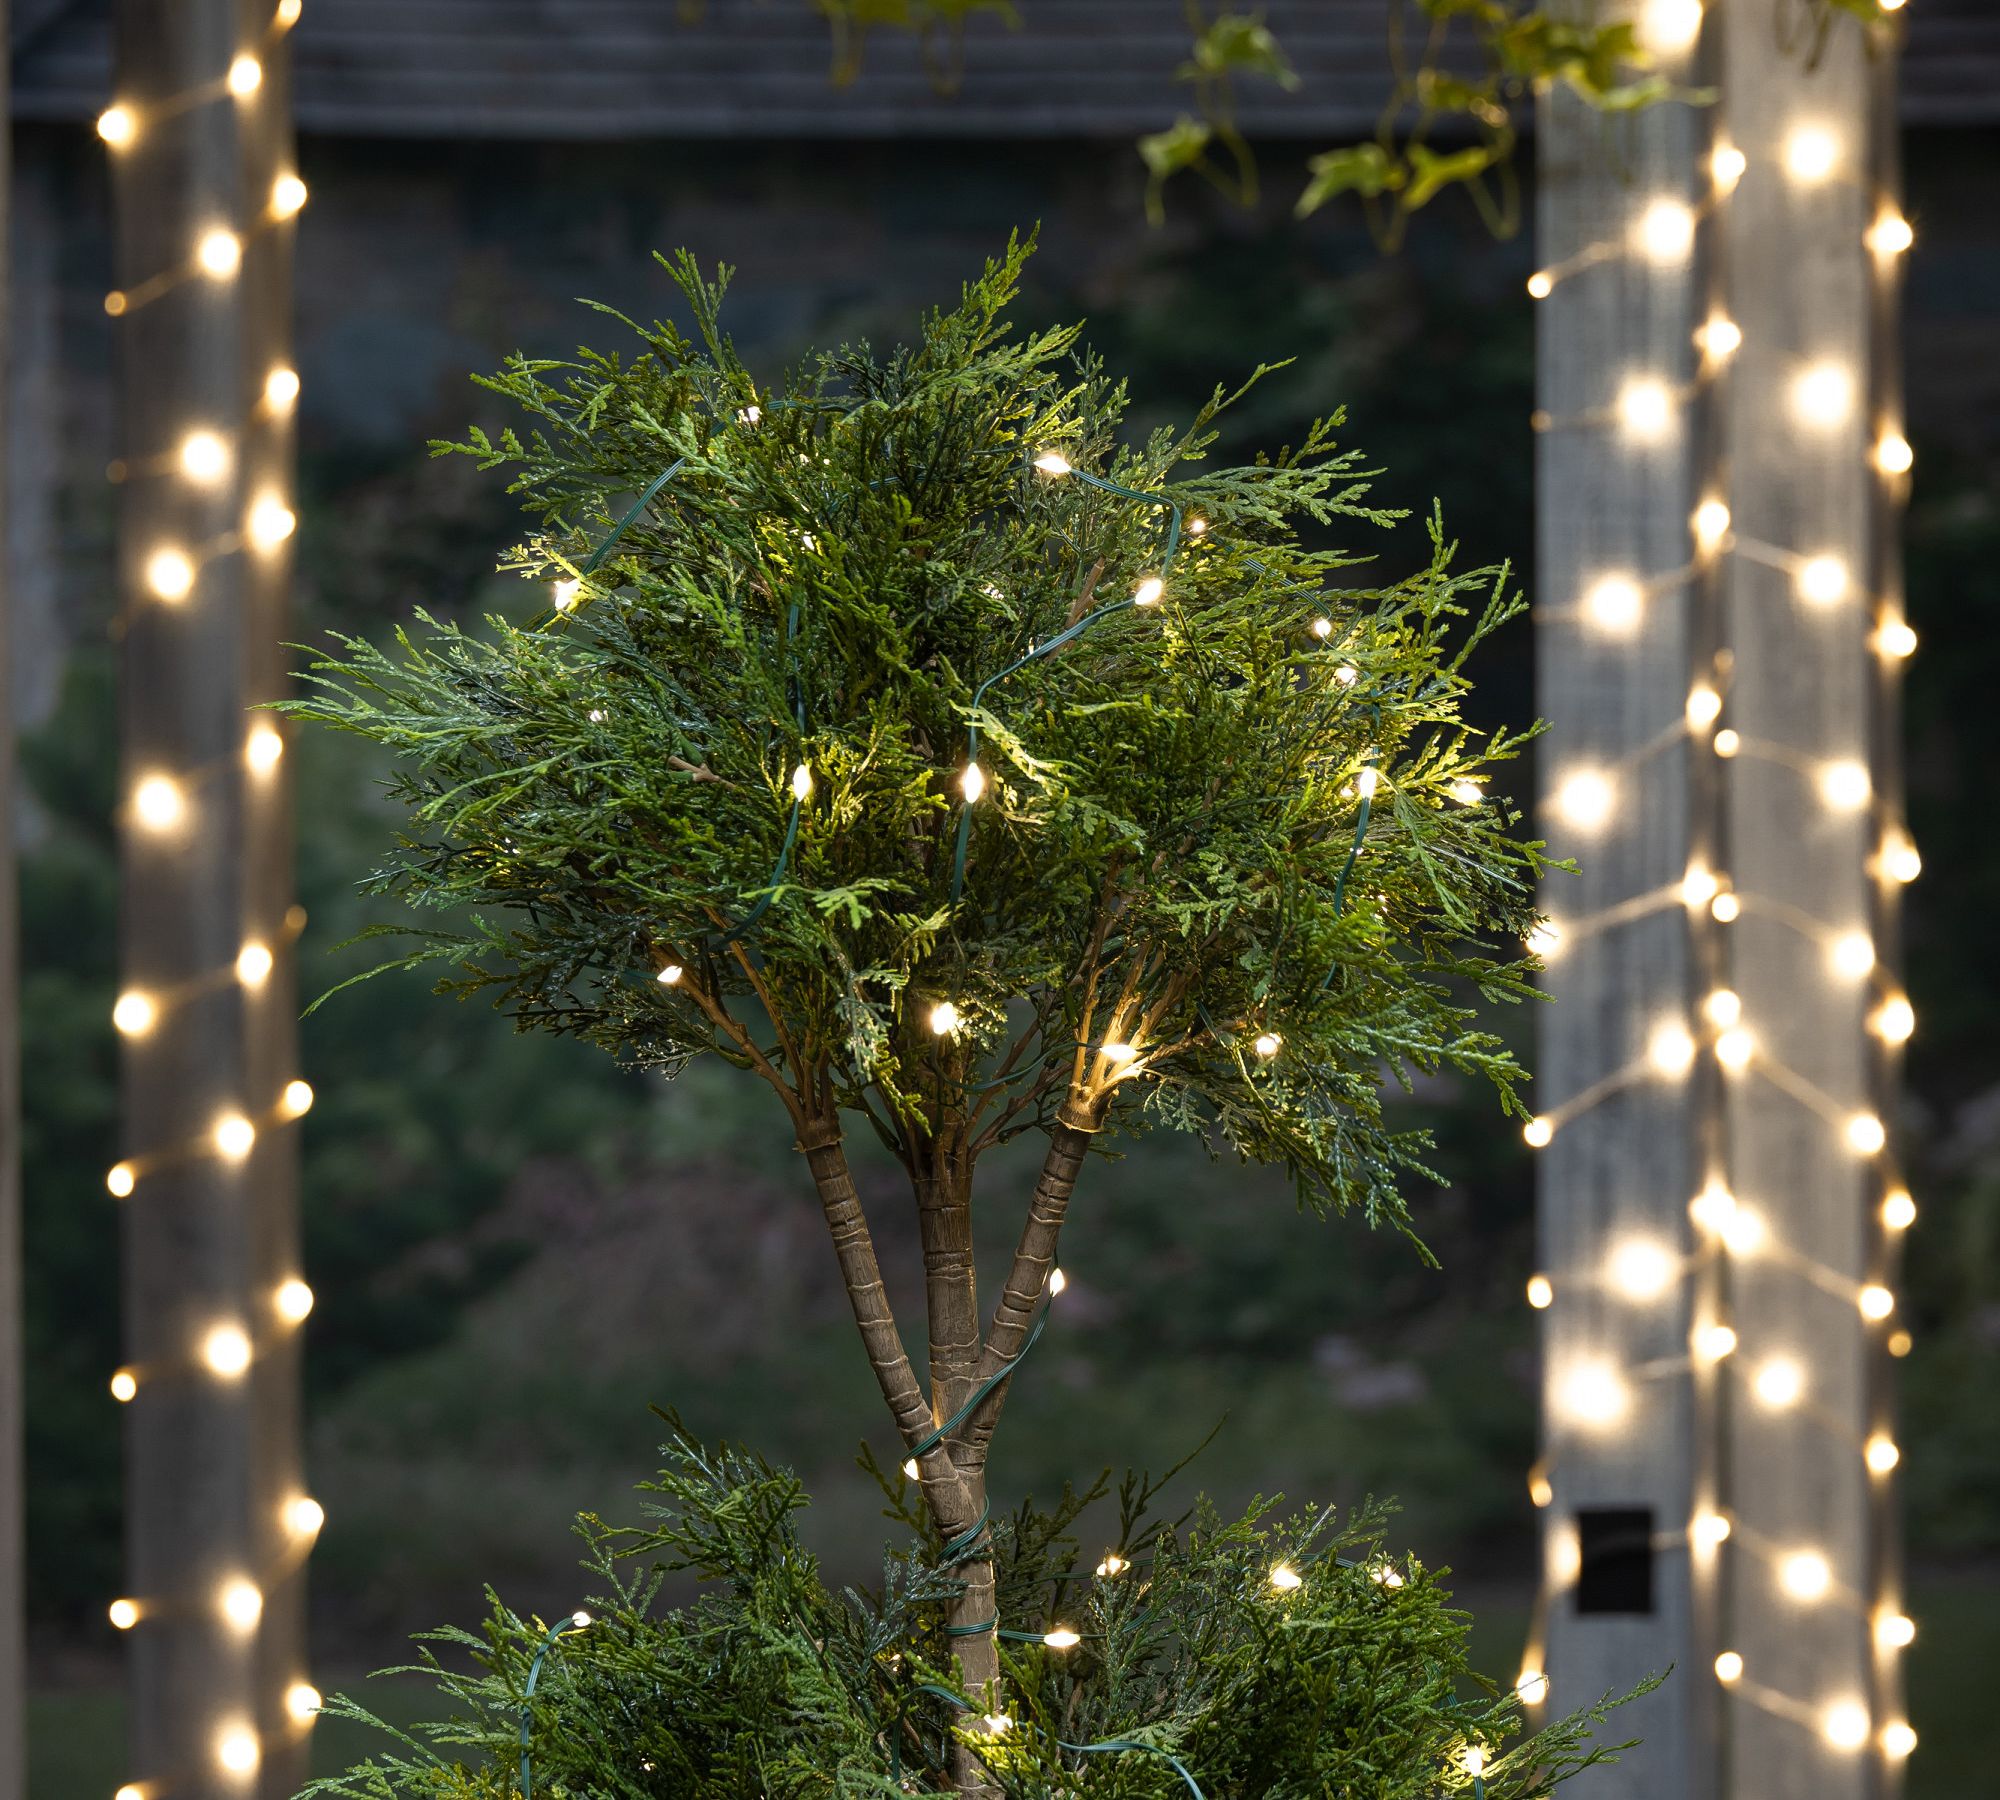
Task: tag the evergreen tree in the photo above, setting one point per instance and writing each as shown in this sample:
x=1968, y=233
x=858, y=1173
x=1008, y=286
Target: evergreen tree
x=961, y=770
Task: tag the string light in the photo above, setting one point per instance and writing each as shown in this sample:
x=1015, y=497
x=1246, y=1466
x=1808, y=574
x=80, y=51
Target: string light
x=1532, y=1685
x=297, y=1099
x=1111, y=1564
x=1726, y=165
x=1899, y=859
x=1865, y=1133
x=1895, y=639
x=1645, y=408
x=1876, y=1302
x=1539, y=1132
x=1851, y=956
x=998, y=1724
x=944, y=1018
x=130, y=1791
x=1664, y=232
x=1727, y=742
x=1714, y=1342
x=263, y=749
x=1899, y=1211
x=1720, y=338
x=1594, y=1394
x=1734, y=1048
x=204, y=457
x=1698, y=886
x=1722, y=1007
x=1268, y=1044
x=1725, y=909
x=1614, y=604
x=1062, y=1638
x=1385, y=1574
x=1708, y=1531
x=972, y=783
x=671, y=975
x=1744, y=1234
x=120, y=1179
x=281, y=389
x=1584, y=800
x=1053, y=463
x=1890, y=235
x=1894, y=1020
x=1118, y=1054
x=1893, y=455
x=1845, y=785
x=1640, y=1269
x=304, y=1516
x=302, y=1700
x=288, y=196
x=293, y=1301
x=219, y=253
x=1467, y=792
x=1895, y=1631
x=1846, y=1725
x=1713, y=1207
x=1287, y=1579
x=1545, y=939
x=118, y=126
x=1805, y=1575
x=170, y=574
x=563, y=593
x=1541, y=1490
x=1822, y=580
x=241, y=1604
x=1880, y=1454
x=236, y=1750
x=124, y=1387
x=1057, y=1282
x=157, y=803
x=1541, y=285
x=1704, y=706
x=226, y=1350
x=246, y=75
x=1711, y=525
x=1668, y=27
x=234, y=1136
x=1898, y=1739
x=802, y=782
x=1823, y=396
x=1473, y=1757
x=1148, y=592
x=270, y=523
x=1780, y=1383
x=1670, y=1050
x=1322, y=628
x=1899, y=1343
x=1810, y=154
x=254, y=963
x=1729, y=1667
x=912, y=1468
x=1541, y=1292
x=124, y=1614
x=135, y=1013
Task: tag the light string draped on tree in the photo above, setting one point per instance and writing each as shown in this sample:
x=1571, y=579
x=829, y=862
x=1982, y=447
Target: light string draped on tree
x=1595, y=1397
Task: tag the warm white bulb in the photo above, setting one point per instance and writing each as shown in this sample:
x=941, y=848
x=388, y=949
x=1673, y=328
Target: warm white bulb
x=302, y=1700
x=1744, y=1233
x=564, y=592
x=1062, y=1638
x=253, y=964
x=124, y=1614
x=304, y=1516
x=1780, y=1383
x=972, y=783
x=1148, y=592
x=1670, y=27
x=226, y=1350
x=1664, y=232
x=1899, y=1210
x=281, y=388
x=241, y=1604
x=1541, y=285
x=1640, y=1269
x=1890, y=235
x=802, y=782
x=1725, y=909
x=234, y=1135
x=1845, y=1725
x=1844, y=785
x=1727, y=742
x=1726, y=164
x=170, y=574
x=944, y=1018
x=118, y=126
x=1545, y=939
x=1541, y=1292
x=1880, y=1454
x=1722, y=1008
x=219, y=253
x=1711, y=525
x=263, y=749
x=1899, y=859
x=1709, y=1530
x=1473, y=1759
x=1112, y=1564
x=1539, y=1132
x=1811, y=153
x=1734, y=1048
x=1865, y=1133
x=1895, y=1631
x=1594, y=1394
x=293, y=1300
x=1876, y=1302
x=135, y=1014
x=1805, y=1575
x=1823, y=395
x=912, y=1468
x=1197, y=526
x=297, y=1099
x=124, y=1386
x=1614, y=604
x=204, y=456
x=1585, y=799
x=1851, y=955
x=1822, y=580
x=1053, y=462
x=246, y=75
x=1895, y=639
x=120, y=1179
x=1322, y=628
x=997, y=1724
x=1267, y=1044
x=236, y=1750
x=1729, y=1667
x=270, y=523
x=1894, y=1020
x=1286, y=1579
x=1893, y=455
x=1467, y=792
x=1699, y=886
x=1347, y=674
x=1704, y=706
x=1713, y=1208
x=1670, y=1050
x=1898, y=1738
x=288, y=196
x=1645, y=408
x=1117, y=1054
x=1532, y=1686
x=1721, y=337
x=157, y=803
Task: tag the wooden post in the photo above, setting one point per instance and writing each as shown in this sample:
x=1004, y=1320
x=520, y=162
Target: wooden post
x=217, y=1522
x=1721, y=456
x=13, y=1649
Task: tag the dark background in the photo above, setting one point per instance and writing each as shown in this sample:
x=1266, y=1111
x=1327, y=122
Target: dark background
x=516, y=1248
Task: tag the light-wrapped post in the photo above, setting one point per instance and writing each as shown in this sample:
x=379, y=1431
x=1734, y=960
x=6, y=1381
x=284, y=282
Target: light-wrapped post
x=217, y=1523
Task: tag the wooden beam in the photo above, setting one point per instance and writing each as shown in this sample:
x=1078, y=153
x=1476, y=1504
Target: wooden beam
x=210, y=1224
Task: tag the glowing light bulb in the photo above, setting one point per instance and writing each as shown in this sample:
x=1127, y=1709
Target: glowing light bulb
x=1584, y=800
x=1851, y=955
x=1711, y=526
x=1385, y=1575
x=1734, y=1048
x=1541, y=1292
x=1322, y=628
x=671, y=975
x=240, y=1604
x=1286, y=1579
x=281, y=388
x=1823, y=396
x=1714, y=1342
x=1664, y=232
x=1541, y=285
x=263, y=749
x=1899, y=1211
x=1726, y=165
x=170, y=574
x=1532, y=1685
x=1898, y=1739
x=1111, y=1564
x=1895, y=1631
x=293, y=1300
x=912, y=1468
x=253, y=964
x=288, y=196
x=1062, y=1638
x=157, y=803
x=1545, y=939
x=802, y=782
x=1899, y=1343
x=564, y=592
x=304, y=1516
x=1899, y=859
x=1895, y=639
x=219, y=253
x=204, y=456
x=1268, y=1044
x=236, y=1750
x=1845, y=1725
x=1594, y=1394
x=1645, y=408
x=1614, y=604
x=1725, y=909
x=246, y=75
x=1197, y=526
x=1811, y=153
x=1890, y=235
x=270, y=523
x=1876, y=1302
x=1713, y=1208
x=297, y=1099
x=1894, y=1020
x=135, y=1014
x=749, y=416
x=1473, y=1759
x=1745, y=1233
x=1699, y=886
x=1720, y=338
x=130, y=1791
x=1727, y=742
x=302, y=1700
x=124, y=1386
x=972, y=783
x=997, y=1724
x=1539, y=1132
x=124, y=1614
x=1467, y=792
x=226, y=1350
x=1670, y=1050
x=1865, y=1133
x=944, y=1018
x=234, y=1135
x=1728, y=1667
x=1844, y=785
x=1668, y=27
x=1822, y=581
x=1880, y=1454
x=118, y=126
x=1640, y=1269
x=1057, y=1281
x=1709, y=1530
x=120, y=1179
x=1893, y=455
x=1704, y=706
x=1347, y=674
x=1148, y=592
x=1780, y=1383
x=1053, y=463
x=1541, y=1490
x=1805, y=1575
x=1723, y=1007
x=1117, y=1054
